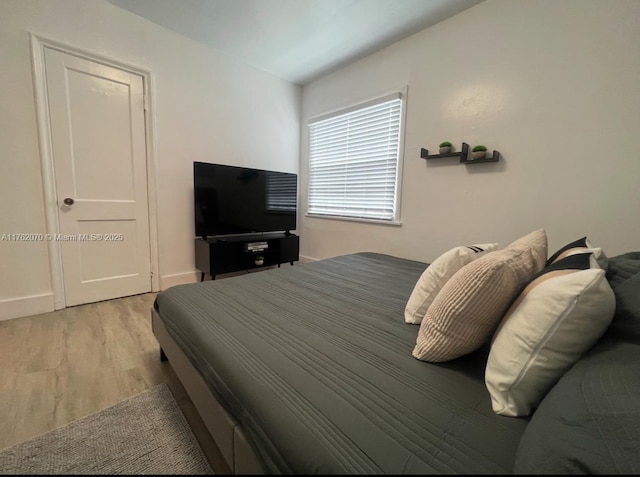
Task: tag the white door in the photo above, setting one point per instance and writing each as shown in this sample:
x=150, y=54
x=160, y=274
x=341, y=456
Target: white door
x=96, y=114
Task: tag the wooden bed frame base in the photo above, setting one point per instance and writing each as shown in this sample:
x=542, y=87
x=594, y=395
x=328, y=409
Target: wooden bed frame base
x=225, y=431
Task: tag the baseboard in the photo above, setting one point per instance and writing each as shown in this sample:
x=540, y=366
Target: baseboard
x=307, y=259
x=26, y=306
x=168, y=281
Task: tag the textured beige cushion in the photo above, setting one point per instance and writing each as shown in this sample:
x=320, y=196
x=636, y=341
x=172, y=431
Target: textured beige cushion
x=556, y=318
x=465, y=313
x=437, y=274
x=537, y=242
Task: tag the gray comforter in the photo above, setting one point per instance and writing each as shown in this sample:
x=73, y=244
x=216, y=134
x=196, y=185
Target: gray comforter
x=315, y=363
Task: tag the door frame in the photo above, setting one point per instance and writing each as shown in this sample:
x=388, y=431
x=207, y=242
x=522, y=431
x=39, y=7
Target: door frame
x=38, y=45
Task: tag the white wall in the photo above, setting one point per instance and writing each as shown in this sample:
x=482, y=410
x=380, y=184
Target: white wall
x=208, y=107
x=553, y=85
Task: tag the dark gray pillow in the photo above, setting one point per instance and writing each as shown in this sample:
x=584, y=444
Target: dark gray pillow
x=622, y=268
x=624, y=278
x=590, y=421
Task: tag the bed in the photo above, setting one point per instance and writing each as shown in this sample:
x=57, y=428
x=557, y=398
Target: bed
x=308, y=369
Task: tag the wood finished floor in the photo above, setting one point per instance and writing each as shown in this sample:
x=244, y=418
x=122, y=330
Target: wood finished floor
x=58, y=367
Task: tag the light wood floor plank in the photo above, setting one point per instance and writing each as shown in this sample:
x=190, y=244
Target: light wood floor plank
x=58, y=367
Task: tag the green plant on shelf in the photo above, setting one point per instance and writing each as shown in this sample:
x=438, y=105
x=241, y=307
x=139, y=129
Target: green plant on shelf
x=445, y=147
x=258, y=260
x=478, y=152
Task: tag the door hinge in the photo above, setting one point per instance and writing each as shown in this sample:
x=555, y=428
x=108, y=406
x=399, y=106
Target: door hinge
x=145, y=103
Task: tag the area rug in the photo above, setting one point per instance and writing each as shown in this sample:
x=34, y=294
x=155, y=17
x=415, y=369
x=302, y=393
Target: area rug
x=145, y=434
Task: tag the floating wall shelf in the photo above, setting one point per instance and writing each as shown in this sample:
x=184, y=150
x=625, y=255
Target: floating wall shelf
x=464, y=156
x=424, y=153
x=495, y=157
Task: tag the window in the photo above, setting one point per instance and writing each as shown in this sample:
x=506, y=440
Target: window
x=354, y=159
x=282, y=192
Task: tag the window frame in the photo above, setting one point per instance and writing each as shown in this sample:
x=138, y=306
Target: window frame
x=397, y=94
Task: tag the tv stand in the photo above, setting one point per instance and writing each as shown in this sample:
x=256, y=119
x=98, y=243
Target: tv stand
x=215, y=256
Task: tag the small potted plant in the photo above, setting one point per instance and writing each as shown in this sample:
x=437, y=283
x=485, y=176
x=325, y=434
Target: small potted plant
x=445, y=147
x=478, y=152
x=259, y=260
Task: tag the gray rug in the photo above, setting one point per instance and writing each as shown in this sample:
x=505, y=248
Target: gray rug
x=146, y=434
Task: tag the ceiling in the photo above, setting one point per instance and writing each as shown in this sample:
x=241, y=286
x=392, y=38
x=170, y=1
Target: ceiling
x=296, y=40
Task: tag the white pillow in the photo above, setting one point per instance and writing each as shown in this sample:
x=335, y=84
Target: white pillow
x=436, y=275
x=558, y=316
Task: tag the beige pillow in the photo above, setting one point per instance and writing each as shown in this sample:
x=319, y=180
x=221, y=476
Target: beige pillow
x=465, y=313
x=437, y=274
x=537, y=241
x=556, y=318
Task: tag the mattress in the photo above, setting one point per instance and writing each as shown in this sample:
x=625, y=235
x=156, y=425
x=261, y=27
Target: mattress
x=314, y=361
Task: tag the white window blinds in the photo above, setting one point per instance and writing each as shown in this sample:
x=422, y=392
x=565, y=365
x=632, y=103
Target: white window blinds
x=281, y=191
x=353, y=161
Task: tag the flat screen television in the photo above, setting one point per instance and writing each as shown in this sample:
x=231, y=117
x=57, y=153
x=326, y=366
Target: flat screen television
x=231, y=200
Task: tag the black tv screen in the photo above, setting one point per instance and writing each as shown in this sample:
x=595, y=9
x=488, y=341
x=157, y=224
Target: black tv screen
x=232, y=200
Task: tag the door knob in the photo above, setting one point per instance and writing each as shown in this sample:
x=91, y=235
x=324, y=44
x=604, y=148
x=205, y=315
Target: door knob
x=68, y=201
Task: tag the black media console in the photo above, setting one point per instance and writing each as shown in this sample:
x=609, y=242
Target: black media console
x=215, y=256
